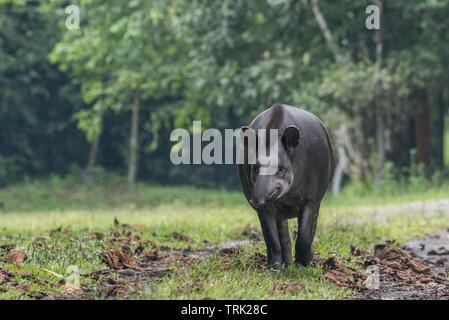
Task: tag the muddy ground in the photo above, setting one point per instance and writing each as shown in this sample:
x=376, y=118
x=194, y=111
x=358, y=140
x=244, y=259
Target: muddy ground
x=415, y=270
x=433, y=252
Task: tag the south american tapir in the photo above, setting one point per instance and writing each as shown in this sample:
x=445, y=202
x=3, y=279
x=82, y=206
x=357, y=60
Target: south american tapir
x=295, y=188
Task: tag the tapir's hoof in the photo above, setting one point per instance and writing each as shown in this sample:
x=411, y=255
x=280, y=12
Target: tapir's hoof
x=299, y=265
x=274, y=266
x=302, y=263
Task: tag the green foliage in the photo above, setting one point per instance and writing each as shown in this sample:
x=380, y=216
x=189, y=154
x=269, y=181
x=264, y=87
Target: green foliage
x=219, y=63
x=37, y=133
x=121, y=50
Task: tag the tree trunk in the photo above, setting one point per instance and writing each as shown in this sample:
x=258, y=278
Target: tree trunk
x=321, y=21
x=422, y=128
x=345, y=164
x=86, y=173
x=438, y=153
x=93, y=153
x=337, y=178
x=380, y=117
x=133, y=145
x=361, y=153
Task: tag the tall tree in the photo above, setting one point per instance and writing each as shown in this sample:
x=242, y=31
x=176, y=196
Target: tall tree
x=125, y=56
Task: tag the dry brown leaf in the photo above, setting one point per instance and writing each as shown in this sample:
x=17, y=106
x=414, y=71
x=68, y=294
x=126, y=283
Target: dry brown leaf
x=180, y=236
x=118, y=289
x=25, y=274
x=289, y=287
x=14, y=257
x=23, y=287
x=97, y=236
x=118, y=260
x=71, y=288
x=230, y=251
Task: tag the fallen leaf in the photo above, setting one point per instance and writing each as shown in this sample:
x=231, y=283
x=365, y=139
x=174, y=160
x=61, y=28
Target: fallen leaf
x=71, y=288
x=230, y=251
x=118, y=260
x=118, y=289
x=358, y=252
x=51, y=273
x=14, y=257
x=97, y=236
x=289, y=287
x=180, y=236
x=149, y=255
x=7, y=247
x=23, y=287
x=25, y=274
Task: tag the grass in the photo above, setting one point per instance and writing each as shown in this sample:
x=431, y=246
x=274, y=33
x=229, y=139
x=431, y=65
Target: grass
x=33, y=209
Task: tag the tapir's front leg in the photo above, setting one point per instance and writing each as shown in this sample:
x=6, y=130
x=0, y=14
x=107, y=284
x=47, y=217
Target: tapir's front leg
x=284, y=239
x=306, y=232
x=268, y=222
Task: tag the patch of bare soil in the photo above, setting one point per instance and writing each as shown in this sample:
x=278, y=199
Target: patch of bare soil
x=130, y=260
x=133, y=260
x=407, y=272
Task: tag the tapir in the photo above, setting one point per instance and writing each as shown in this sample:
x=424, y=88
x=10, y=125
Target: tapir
x=304, y=170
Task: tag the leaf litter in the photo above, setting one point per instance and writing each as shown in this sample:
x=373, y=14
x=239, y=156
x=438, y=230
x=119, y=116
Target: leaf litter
x=131, y=260
x=400, y=274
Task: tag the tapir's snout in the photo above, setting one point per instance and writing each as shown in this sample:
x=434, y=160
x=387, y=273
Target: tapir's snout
x=256, y=204
x=271, y=196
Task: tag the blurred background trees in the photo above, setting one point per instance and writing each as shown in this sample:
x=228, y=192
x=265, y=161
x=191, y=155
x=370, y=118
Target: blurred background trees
x=110, y=93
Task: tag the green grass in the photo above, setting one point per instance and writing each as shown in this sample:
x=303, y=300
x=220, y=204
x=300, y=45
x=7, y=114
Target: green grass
x=33, y=209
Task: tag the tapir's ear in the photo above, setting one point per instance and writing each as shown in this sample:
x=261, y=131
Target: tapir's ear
x=242, y=132
x=290, y=138
x=243, y=129
x=249, y=134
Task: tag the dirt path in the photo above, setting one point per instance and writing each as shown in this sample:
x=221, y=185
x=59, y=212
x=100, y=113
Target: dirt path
x=433, y=252
x=380, y=213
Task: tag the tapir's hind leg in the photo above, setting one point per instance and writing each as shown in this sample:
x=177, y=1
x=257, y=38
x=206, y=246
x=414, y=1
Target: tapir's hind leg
x=284, y=239
x=306, y=230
